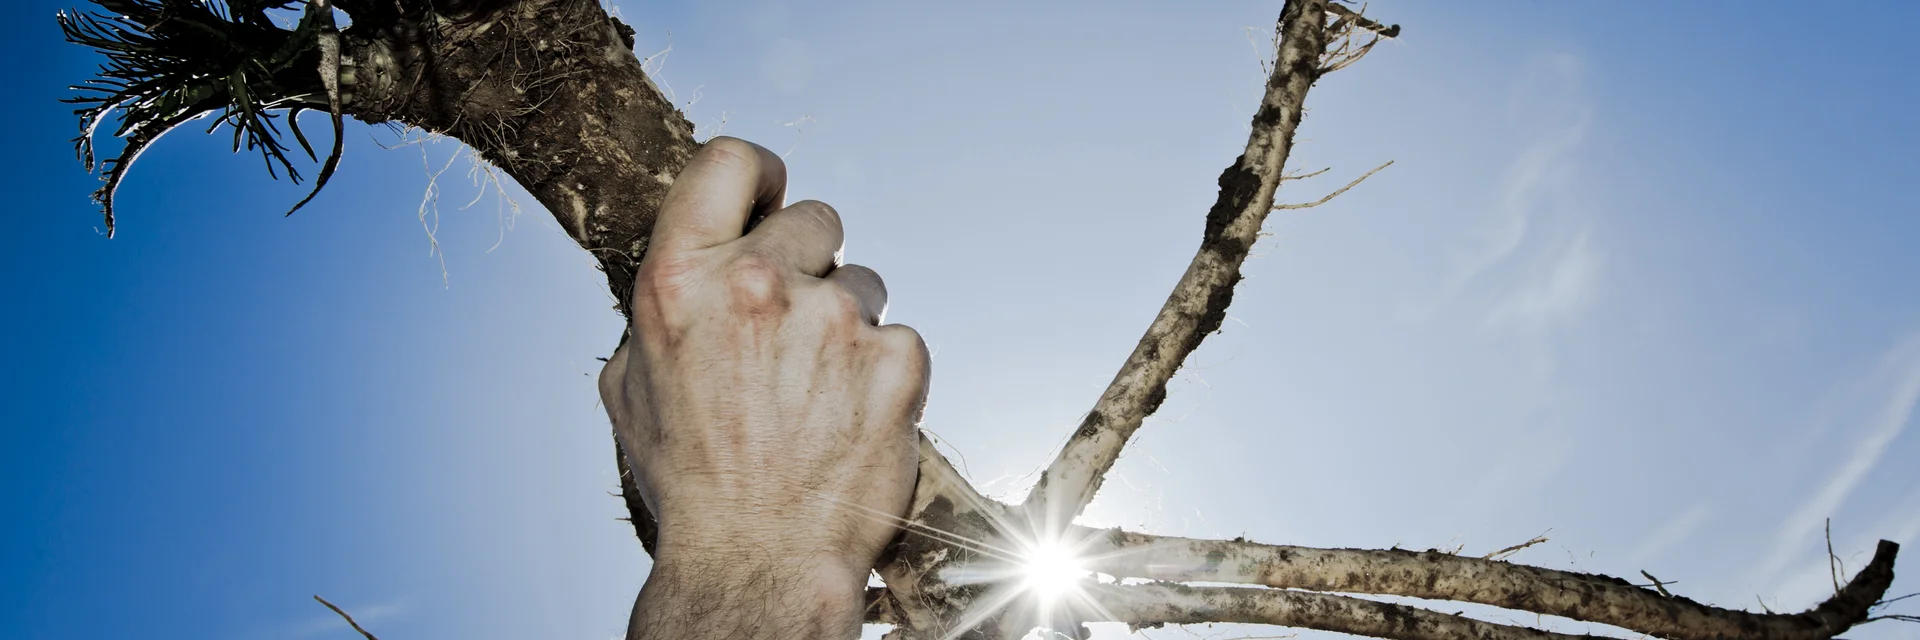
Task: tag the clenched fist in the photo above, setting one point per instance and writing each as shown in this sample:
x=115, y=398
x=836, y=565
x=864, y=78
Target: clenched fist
x=767, y=414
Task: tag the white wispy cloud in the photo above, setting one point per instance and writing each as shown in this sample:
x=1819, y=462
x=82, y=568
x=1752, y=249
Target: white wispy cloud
x=1555, y=294
x=1538, y=262
x=1537, y=172
x=1529, y=268
x=1893, y=389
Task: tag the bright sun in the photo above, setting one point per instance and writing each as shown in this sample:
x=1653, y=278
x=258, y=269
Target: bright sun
x=1052, y=570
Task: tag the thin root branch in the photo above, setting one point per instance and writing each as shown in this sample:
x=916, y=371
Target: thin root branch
x=343, y=614
x=1509, y=551
x=1662, y=586
x=1336, y=194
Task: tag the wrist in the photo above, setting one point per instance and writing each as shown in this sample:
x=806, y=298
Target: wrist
x=746, y=593
x=735, y=550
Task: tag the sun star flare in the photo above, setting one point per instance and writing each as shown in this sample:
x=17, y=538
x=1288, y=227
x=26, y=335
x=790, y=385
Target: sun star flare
x=1052, y=570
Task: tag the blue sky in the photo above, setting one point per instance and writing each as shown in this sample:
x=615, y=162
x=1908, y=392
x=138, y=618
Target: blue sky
x=1647, y=281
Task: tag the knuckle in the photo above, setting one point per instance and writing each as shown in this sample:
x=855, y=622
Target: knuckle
x=905, y=345
x=845, y=307
x=754, y=284
x=663, y=272
x=662, y=281
x=754, y=261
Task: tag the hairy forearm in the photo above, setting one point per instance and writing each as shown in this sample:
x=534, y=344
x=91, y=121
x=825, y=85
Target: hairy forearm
x=745, y=598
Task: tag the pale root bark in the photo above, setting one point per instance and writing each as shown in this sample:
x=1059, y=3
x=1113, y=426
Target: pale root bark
x=1199, y=302
x=1438, y=575
x=1151, y=605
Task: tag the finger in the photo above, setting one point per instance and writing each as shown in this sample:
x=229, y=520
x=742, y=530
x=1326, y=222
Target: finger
x=724, y=184
x=806, y=236
x=866, y=287
x=612, y=386
x=909, y=352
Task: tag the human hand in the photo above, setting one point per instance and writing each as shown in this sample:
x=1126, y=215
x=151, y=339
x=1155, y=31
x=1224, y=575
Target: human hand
x=768, y=417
